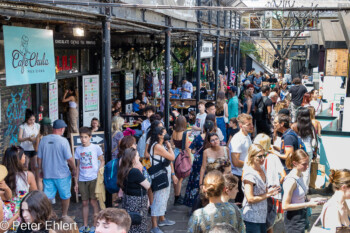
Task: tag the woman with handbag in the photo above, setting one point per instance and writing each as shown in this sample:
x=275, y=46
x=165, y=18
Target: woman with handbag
x=197, y=147
x=177, y=138
x=161, y=154
x=294, y=202
x=336, y=212
x=135, y=186
x=256, y=191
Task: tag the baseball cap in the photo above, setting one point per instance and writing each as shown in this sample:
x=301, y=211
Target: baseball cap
x=233, y=88
x=46, y=121
x=59, y=124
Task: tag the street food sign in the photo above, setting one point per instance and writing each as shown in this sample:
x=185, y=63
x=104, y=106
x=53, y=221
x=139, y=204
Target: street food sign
x=29, y=55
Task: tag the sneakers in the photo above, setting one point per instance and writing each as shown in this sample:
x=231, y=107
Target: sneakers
x=92, y=230
x=156, y=230
x=84, y=229
x=166, y=222
x=178, y=201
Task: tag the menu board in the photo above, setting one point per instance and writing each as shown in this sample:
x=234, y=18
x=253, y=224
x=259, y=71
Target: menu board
x=53, y=101
x=129, y=86
x=91, y=107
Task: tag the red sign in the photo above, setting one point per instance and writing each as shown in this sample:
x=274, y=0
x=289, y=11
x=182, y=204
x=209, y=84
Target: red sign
x=63, y=61
x=40, y=116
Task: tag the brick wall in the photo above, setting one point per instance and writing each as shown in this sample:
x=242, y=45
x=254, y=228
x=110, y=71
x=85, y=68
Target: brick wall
x=14, y=101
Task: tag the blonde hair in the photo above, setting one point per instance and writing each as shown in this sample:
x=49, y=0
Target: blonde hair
x=296, y=156
x=312, y=112
x=117, y=123
x=338, y=178
x=263, y=140
x=214, y=184
x=243, y=118
x=254, y=149
x=280, y=105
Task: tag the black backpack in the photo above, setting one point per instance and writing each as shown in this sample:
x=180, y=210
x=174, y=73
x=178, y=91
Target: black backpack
x=261, y=110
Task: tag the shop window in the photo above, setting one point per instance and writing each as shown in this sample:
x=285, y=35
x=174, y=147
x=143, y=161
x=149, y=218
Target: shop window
x=67, y=61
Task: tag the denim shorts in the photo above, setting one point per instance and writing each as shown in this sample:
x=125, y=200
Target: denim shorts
x=63, y=186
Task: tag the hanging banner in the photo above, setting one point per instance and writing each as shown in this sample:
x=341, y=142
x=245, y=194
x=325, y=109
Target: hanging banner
x=53, y=101
x=91, y=101
x=29, y=55
x=207, y=50
x=129, y=86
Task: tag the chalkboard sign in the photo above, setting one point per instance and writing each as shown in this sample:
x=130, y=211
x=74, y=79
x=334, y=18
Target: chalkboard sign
x=97, y=138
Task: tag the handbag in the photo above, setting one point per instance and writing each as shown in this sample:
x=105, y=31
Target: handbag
x=136, y=217
x=158, y=174
x=183, y=164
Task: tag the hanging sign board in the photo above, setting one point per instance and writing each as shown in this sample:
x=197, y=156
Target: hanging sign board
x=53, y=101
x=29, y=55
x=129, y=86
x=91, y=102
x=207, y=49
x=97, y=138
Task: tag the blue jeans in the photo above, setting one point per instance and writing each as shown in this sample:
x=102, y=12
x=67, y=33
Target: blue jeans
x=252, y=227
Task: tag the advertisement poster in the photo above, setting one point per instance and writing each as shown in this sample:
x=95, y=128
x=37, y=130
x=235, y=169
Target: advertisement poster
x=53, y=101
x=91, y=101
x=29, y=55
x=129, y=86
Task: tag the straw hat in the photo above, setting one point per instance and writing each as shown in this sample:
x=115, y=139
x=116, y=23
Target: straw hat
x=3, y=172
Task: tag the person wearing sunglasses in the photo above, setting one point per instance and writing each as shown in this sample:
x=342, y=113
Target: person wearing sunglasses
x=255, y=191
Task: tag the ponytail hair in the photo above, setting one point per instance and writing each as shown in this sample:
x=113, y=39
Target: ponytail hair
x=208, y=127
x=295, y=157
x=214, y=184
x=338, y=178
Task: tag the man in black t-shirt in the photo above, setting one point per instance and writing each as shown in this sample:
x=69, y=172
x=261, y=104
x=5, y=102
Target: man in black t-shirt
x=263, y=123
x=289, y=142
x=297, y=91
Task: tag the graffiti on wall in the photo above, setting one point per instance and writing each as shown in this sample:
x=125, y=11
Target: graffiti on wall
x=15, y=114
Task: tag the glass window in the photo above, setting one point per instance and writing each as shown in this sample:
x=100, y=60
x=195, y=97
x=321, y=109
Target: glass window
x=67, y=61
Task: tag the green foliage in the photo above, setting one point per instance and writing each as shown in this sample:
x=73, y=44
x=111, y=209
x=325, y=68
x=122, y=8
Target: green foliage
x=249, y=48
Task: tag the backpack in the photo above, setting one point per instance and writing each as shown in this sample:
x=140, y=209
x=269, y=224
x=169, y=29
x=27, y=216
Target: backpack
x=301, y=144
x=183, y=164
x=261, y=110
x=110, y=176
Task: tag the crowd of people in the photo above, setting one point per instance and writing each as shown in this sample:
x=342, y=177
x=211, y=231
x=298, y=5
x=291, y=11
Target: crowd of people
x=246, y=158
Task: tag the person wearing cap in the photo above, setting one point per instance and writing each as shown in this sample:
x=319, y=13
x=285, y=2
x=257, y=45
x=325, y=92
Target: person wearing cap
x=186, y=90
x=54, y=159
x=233, y=103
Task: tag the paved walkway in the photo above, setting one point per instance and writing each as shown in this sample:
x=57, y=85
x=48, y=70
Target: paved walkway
x=180, y=213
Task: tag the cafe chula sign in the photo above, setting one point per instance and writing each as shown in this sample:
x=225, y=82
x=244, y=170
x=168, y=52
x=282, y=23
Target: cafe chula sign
x=29, y=55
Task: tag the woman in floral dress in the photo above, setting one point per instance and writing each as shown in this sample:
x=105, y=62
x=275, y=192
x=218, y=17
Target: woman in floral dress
x=197, y=147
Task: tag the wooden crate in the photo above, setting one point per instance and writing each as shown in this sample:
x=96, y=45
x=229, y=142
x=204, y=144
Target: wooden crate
x=337, y=62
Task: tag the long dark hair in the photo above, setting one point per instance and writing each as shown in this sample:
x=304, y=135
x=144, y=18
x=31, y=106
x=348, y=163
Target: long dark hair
x=39, y=207
x=211, y=117
x=304, y=123
x=29, y=113
x=12, y=161
x=153, y=126
x=72, y=89
x=45, y=129
x=208, y=127
x=155, y=136
x=180, y=124
x=125, y=143
x=126, y=165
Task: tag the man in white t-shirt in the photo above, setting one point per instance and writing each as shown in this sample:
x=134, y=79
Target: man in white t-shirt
x=239, y=146
x=197, y=128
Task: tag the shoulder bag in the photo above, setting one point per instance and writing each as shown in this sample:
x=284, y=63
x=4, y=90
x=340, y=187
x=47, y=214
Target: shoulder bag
x=158, y=173
x=136, y=217
x=183, y=163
